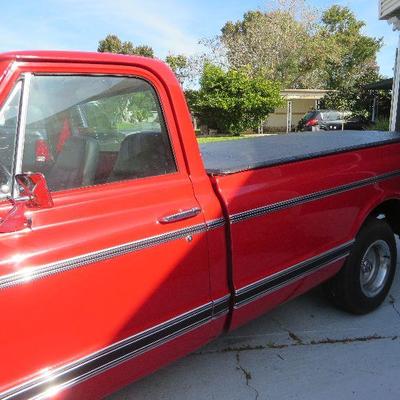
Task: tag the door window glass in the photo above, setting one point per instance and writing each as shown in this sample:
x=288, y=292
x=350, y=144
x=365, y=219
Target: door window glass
x=8, y=132
x=89, y=130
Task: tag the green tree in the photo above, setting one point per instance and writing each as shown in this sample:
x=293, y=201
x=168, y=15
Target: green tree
x=145, y=51
x=353, y=54
x=113, y=44
x=354, y=97
x=351, y=63
x=141, y=105
x=233, y=101
x=110, y=44
x=301, y=48
x=180, y=65
x=280, y=43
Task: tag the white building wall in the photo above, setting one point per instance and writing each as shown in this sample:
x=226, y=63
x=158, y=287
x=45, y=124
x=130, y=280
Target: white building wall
x=390, y=10
x=276, y=122
x=394, y=109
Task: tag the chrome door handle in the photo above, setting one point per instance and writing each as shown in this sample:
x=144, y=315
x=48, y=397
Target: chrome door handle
x=184, y=214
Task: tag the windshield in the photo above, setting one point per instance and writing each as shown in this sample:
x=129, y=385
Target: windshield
x=309, y=115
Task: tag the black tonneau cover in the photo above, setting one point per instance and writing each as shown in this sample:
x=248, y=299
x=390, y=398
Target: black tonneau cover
x=232, y=156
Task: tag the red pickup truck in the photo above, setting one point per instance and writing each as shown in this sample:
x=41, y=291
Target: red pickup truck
x=123, y=247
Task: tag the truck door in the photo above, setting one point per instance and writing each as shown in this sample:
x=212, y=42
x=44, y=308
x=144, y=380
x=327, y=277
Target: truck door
x=118, y=266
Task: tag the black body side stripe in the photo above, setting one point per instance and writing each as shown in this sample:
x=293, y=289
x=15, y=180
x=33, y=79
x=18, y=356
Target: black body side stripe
x=255, y=212
x=111, y=356
x=221, y=306
x=289, y=275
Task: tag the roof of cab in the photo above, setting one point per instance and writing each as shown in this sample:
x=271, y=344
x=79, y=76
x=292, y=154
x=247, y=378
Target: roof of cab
x=79, y=57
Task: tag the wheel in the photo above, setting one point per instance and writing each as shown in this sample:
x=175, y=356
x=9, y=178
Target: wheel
x=365, y=280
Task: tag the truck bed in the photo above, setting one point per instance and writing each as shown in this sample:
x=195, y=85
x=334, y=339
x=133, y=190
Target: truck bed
x=228, y=157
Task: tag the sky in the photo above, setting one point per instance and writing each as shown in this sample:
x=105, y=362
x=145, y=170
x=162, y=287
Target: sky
x=169, y=26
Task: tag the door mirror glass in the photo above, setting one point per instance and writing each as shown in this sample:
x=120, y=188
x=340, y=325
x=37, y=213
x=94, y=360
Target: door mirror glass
x=33, y=187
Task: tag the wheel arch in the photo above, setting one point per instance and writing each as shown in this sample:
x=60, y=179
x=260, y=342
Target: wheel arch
x=388, y=209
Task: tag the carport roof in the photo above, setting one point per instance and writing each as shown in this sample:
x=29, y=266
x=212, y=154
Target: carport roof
x=304, y=94
x=385, y=84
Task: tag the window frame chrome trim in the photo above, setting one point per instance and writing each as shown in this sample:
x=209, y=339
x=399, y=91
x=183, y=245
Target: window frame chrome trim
x=21, y=131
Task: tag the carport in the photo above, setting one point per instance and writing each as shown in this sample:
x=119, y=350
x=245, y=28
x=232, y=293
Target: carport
x=386, y=85
x=297, y=103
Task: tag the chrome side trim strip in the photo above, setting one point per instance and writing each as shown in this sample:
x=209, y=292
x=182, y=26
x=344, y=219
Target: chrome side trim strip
x=289, y=275
x=111, y=356
x=255, y=212
x=215, y=223
x=29, y=274
x=221, y=305
x=126, y=349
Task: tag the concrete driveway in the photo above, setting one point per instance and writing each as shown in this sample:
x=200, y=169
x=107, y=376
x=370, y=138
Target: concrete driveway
x=305, y=349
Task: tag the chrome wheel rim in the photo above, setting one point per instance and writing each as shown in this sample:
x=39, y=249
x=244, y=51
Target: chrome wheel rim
x=375, y=267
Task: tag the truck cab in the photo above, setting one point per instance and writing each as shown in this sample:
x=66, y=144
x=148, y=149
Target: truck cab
x=107, y=260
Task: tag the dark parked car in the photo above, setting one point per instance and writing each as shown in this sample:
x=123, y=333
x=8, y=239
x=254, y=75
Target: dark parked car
x=331, y=120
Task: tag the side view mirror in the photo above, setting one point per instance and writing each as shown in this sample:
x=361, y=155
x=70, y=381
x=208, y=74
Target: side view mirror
x=34, y=194
x=33, y=188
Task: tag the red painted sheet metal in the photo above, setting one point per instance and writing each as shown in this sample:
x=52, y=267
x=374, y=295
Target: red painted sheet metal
x=260, y=306
x=273, y=241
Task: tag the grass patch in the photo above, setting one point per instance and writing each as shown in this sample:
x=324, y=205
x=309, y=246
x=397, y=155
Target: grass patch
x=209, y=139
x=381, y=124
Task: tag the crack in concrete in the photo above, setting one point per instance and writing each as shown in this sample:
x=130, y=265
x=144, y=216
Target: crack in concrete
x=296, y=339
x=392, y=301
x=247, y=375
x=275, y=346
x=351, y=340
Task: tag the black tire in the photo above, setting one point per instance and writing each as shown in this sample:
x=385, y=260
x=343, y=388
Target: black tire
x=346, y=289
